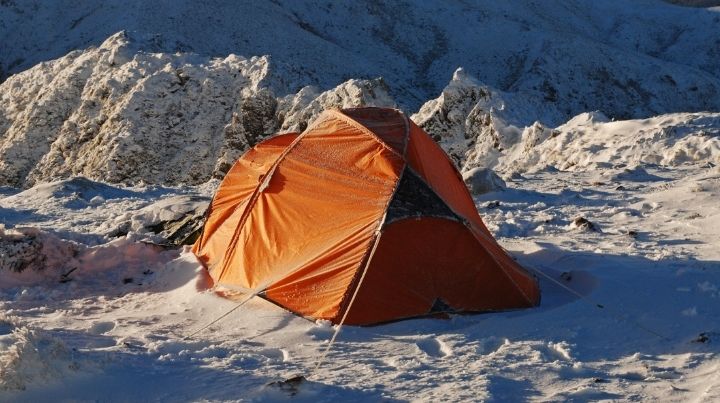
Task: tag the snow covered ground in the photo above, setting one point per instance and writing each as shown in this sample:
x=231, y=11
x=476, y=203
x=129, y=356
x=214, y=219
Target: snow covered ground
x=629, y=311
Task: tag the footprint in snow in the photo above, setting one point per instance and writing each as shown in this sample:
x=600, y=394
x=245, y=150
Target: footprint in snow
x=491, y=345
x=434, y=347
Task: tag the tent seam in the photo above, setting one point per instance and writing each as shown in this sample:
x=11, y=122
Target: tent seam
x=256, y=195
x=209, y=209
x=367, y=258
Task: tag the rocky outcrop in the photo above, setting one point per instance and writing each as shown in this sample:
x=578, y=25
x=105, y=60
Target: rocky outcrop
x=121, y=115
x=470, y=121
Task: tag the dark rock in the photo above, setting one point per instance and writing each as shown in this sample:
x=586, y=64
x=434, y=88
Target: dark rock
x=585, y=224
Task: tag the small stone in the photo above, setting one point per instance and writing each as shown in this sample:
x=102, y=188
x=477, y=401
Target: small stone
x=702, y=338
x=584, y=223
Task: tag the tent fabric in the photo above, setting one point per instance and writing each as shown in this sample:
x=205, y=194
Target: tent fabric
x=361, y=194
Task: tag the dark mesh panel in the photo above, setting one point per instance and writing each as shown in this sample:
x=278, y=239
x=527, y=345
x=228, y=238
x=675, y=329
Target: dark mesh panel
x=415, y=199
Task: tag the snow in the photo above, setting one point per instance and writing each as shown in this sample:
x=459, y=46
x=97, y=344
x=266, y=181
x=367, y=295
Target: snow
x=626, y=58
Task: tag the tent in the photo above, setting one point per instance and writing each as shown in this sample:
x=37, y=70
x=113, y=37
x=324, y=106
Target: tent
x=360, y=219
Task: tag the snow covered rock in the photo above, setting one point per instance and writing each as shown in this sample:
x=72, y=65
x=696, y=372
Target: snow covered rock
x=590, y=140
x=465, y=113
x=119, y=114
x=296, y=111
x=483, y=180
x=474, y=123
x=116, y=114
x=31, y=249
x=174, y=220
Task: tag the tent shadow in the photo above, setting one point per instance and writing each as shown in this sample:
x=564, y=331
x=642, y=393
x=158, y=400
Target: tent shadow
x=653, y=306
x=585, y=197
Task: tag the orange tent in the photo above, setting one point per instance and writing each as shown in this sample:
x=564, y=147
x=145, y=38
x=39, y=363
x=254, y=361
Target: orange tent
x=362, y=218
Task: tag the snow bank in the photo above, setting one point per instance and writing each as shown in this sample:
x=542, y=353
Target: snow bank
x=483, y=180
x=588, y=141
x=90, y=212
x=30, y=356
x=29, y=256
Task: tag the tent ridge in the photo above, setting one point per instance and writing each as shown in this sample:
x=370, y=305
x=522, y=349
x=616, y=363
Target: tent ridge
x=355, y=124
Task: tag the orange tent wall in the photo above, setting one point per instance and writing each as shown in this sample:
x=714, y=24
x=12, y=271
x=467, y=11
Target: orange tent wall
x=419, y=260
x=231, y=197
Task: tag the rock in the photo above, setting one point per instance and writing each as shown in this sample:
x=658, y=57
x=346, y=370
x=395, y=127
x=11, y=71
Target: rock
x=119, y=114
x=702, y=338
x=463, y=114
x=583, y=224
x=483, y=180
x=295, y=112
x=31, y=249
x=183, y=231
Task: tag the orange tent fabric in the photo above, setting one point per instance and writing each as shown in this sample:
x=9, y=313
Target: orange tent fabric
x=362, y=218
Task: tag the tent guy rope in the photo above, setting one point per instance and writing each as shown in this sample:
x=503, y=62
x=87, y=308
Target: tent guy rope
x=596, y=304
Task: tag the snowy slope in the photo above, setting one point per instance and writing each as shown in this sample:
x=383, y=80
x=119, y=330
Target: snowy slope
x=627, y=58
